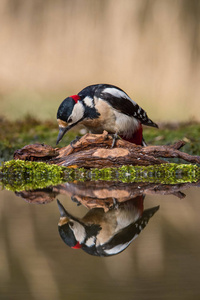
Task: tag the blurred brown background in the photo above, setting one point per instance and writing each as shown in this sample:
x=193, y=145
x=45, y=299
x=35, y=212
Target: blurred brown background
x=50, y=49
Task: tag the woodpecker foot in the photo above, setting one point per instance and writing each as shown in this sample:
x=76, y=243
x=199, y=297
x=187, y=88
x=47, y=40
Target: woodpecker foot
x=115, y=204
x=77, y=138
x=74, y=199
x=115, y=138
x=144, y=144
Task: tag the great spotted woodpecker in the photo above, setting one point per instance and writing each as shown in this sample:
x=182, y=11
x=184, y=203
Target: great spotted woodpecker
x=104, y=107
x=102, y=233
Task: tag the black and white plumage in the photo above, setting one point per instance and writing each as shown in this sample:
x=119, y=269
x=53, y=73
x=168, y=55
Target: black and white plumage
x=104, y=107
x=102, y=233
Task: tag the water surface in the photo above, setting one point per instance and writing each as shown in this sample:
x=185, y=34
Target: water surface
x=163, y=262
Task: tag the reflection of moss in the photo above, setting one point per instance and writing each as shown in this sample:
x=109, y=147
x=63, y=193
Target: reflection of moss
x=20, y=175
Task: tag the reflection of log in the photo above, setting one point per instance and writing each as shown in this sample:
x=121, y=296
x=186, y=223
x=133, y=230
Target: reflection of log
x=38, y=196
x=103, y=194
x=119, y=190
x=94, y=151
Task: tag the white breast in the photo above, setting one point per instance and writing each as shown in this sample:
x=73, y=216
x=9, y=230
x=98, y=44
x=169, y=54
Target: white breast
x=125, y=125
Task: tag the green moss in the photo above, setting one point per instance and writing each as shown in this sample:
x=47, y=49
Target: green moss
x=16, y=134
x=20, y=175
x=165, y=173
x=169, y=134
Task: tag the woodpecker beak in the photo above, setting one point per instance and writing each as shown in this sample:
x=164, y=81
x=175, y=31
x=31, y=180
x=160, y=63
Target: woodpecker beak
x=64, y=215
x=63, y=212
x=62, y=131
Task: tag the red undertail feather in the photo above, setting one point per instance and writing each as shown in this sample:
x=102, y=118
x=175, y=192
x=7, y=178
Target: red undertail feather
x=139, y=203
x=136, y=138
x=136, y=203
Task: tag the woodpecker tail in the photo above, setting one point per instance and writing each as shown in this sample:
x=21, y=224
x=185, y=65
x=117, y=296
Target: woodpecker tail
x=136, y=138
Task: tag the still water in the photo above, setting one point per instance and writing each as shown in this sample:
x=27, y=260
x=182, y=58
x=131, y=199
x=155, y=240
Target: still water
x=157, y=227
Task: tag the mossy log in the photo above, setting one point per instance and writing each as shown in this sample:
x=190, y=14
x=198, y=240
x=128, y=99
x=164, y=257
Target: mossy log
x=94, y=151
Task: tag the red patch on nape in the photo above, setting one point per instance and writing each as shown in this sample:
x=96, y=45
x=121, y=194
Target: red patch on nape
x=75, y=98
x=136, y=138
x=77, y=246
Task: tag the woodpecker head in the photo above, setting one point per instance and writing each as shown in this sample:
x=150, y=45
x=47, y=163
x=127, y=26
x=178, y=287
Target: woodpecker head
x=74, y=232
x=70, y=113
x=71, y=231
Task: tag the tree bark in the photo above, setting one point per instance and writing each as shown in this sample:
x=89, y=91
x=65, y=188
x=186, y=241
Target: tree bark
x=94, y=151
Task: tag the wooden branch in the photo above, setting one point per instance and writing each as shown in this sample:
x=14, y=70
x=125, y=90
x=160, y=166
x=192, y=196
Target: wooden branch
x=94, y=151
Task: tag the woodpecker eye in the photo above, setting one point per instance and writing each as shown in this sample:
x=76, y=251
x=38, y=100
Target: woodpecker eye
x=71, y=224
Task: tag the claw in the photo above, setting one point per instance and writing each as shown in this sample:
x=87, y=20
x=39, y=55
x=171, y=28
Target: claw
x=115, y=138
x=77, y=138
x=74, y=199
x=115, y=204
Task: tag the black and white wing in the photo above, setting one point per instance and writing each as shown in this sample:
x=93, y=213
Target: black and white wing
x=123, y=239
x=120, y=101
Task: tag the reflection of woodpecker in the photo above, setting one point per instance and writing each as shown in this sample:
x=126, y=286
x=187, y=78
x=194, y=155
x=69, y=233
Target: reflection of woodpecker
x=105, y=234
x=102, y=107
